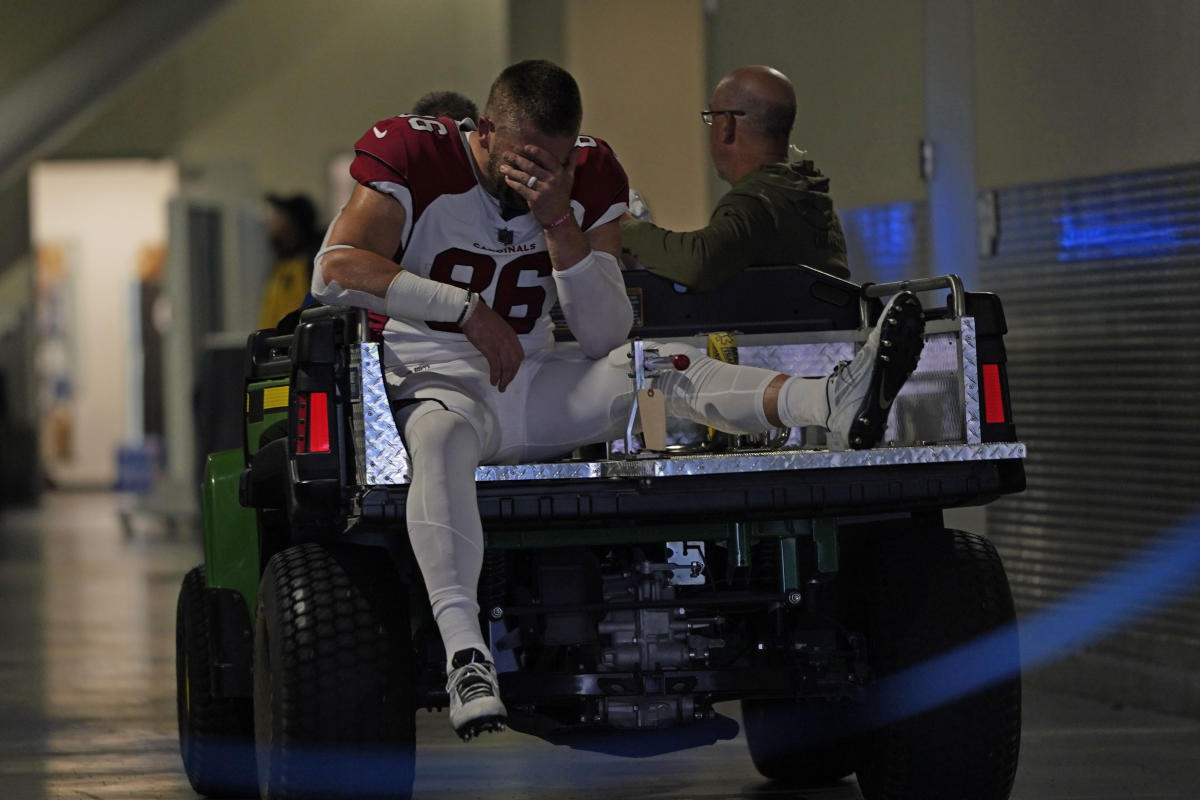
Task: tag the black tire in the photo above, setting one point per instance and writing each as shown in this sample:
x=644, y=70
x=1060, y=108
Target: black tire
x=333, y=676
x=799, y=742
x=925, y=592
x=216, y=734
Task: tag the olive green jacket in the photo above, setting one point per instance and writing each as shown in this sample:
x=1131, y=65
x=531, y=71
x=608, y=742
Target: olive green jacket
x=778, y=214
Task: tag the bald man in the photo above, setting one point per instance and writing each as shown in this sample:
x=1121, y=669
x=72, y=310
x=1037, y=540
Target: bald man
x=776, y=212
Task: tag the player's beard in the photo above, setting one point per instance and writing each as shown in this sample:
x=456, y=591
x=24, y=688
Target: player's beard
x=511, y=203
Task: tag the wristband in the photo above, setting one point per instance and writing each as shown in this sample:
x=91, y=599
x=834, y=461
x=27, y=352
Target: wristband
x=566, y=216
x=469, y=307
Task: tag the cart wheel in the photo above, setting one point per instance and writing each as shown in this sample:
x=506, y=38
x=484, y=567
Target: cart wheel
x=216, y=734
x=800, y=742
x=926, y=592
x=333, y=676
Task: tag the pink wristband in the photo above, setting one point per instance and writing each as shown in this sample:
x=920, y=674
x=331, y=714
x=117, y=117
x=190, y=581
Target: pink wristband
x=566, y=216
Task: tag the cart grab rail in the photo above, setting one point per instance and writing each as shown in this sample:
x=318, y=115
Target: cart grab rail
x=952, y=282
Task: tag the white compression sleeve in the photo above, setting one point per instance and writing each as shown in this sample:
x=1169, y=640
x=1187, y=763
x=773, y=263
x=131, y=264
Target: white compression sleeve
x=409, y=296
x=593, y=299
x=442, y=515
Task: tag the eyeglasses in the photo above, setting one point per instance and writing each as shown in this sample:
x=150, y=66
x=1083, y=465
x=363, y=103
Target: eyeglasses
x=706, y=116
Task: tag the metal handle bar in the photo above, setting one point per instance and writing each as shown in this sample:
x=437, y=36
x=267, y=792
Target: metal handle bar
x=954, y=283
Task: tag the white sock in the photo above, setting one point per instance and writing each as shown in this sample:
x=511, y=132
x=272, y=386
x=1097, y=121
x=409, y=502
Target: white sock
x=803, y=402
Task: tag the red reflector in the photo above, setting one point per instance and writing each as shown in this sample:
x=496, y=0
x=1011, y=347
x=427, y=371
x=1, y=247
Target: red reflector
x=993, y=397
x=318, y=428
x=301, y=422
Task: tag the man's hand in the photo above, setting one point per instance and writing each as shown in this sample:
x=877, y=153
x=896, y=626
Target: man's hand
x=550, y=196
x=496, y=340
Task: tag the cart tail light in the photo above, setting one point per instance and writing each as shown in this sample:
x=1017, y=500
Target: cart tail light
x=993, y=394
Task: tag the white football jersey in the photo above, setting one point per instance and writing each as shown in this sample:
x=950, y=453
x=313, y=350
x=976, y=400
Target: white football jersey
x=454, y=232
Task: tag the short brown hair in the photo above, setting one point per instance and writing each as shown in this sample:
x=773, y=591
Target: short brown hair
x=539, y=92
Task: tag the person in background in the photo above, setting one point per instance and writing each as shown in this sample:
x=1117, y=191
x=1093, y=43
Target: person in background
x=777, y=211
x=445, y=103
x=295, y=239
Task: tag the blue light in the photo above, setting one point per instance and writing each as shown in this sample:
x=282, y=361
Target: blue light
x=882, y=240
x=1115, y=234
x=1145, y=581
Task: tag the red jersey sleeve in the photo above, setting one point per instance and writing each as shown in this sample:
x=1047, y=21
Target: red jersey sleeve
x=424, y=154
x=381, y=154
x=600, y=182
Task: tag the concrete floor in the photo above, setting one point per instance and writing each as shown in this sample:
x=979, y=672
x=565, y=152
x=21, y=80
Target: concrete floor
x=87, y=698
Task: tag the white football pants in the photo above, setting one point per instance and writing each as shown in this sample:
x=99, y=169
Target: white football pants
x=559, y=400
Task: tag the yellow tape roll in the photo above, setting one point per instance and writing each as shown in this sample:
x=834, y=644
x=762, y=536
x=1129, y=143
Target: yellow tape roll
x=723, y=347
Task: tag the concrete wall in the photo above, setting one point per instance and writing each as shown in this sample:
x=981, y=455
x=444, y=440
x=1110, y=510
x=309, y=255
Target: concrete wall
x=857, y=69
x=536, y=29
x=35, y=31
x=1075, y=88
x=640, y=67
x=282, y=93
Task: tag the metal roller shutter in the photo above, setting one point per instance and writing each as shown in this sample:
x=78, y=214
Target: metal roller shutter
x=1100, y=280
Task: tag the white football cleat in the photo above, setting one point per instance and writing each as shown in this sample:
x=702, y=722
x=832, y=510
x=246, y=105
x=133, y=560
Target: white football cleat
x=474, y=693
x=861, y=391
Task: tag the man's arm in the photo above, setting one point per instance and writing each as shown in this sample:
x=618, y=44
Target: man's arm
x=704, y=258
x=355, y=268
x=751, y=225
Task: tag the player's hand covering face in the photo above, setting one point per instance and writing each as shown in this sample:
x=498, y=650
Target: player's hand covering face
x=543, y=182
x=517, y=157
